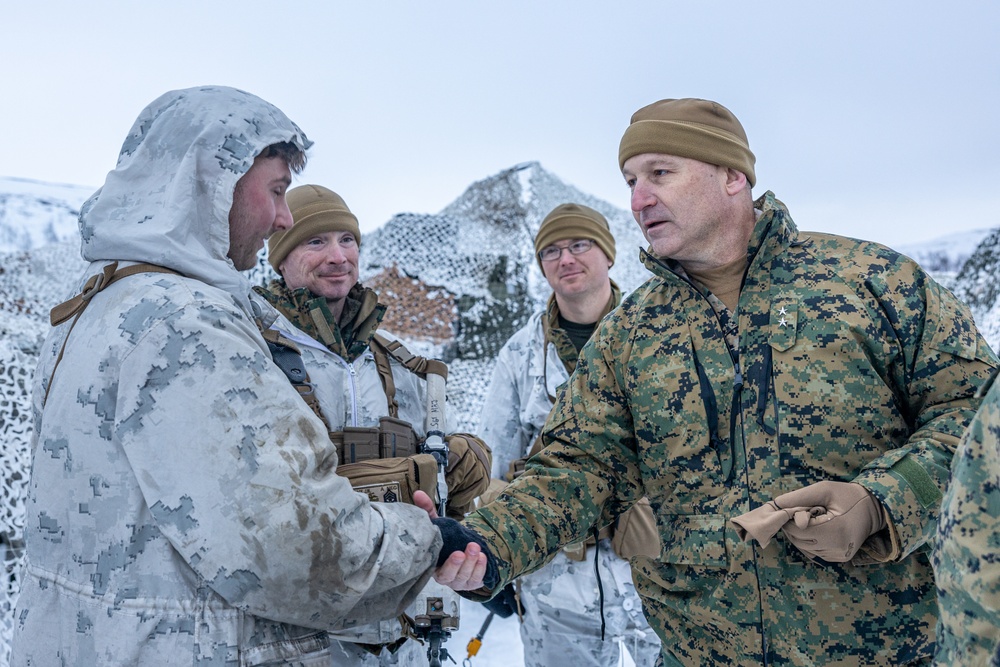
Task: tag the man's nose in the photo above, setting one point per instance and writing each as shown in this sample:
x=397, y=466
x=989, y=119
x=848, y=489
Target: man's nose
x=335, y=254
x=642, y=197
x=283, y=217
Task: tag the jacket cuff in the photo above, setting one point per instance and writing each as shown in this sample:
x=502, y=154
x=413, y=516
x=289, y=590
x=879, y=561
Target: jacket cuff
x=911, y=501
x=480, y=594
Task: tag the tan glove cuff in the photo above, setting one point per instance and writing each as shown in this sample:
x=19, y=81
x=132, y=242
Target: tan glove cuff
x=468, y=472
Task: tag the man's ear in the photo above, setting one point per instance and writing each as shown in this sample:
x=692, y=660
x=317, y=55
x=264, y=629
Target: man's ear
x=736, y=181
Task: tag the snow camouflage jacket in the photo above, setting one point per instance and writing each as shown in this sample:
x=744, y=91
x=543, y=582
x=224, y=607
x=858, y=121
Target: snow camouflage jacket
x=529, y=370
x=968, y=540
x=349, y=390
x=854, y=366
x=183, y=506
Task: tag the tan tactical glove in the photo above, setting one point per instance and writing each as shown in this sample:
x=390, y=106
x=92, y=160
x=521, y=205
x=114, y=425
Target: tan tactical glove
x=468, y=472
x=831, y=520
x=764, y=522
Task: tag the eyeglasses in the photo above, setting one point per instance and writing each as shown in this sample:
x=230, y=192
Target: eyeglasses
x=553, y=252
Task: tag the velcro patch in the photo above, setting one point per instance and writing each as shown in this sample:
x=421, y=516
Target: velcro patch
x=380, y=493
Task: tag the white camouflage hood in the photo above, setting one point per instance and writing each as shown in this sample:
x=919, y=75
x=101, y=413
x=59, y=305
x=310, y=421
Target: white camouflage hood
x=167, y=201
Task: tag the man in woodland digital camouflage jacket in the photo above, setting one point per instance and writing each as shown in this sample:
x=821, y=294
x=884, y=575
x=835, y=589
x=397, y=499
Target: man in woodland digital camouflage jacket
x=789, y=403
x=967, y=553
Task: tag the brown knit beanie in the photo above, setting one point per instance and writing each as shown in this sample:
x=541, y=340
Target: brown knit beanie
x=575, y=221
x=315, y=210
x=697, y=129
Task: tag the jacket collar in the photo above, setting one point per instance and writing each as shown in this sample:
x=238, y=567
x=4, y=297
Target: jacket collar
x=558, y=337
x=773, y=232
x=349, y=337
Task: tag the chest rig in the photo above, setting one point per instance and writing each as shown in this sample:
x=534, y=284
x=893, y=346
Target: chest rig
x=381, y=461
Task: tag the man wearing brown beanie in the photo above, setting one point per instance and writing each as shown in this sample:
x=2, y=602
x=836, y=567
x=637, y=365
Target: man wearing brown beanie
x=789, y=403
x=364, y=385
x=562, y=620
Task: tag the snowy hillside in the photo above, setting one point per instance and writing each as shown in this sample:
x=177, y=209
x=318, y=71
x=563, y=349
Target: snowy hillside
x=945, y=256
x=978, y=284
x=49, y=210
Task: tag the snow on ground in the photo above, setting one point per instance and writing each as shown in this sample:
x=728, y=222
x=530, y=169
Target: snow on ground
x=502, y=645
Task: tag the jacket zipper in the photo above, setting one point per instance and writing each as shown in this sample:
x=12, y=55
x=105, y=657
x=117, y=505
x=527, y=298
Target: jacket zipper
x=352, y=374
x=736, y=410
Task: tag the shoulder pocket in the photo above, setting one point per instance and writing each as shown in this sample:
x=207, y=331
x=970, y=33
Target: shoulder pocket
x=949, y=324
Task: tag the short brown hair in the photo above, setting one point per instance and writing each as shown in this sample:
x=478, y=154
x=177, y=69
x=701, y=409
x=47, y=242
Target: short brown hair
x=292, y=154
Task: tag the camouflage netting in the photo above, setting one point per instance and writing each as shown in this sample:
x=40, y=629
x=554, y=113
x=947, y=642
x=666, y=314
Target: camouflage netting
x=479, y=266
x=481, y=249
x=978, y=284
x=15, y=432
x=30, y=284
x=422, y=311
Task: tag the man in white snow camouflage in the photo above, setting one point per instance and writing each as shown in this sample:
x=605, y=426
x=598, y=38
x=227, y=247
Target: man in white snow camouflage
x=184, y=506
x=562, y=624
x=373, y=403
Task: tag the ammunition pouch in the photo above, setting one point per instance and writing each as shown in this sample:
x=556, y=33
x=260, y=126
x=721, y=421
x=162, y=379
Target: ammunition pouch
x=393, y=480
x=392, y=438
x=382, y=461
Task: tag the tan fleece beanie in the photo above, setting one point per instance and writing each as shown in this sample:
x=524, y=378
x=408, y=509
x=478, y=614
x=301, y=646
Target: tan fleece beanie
x=315, y=210
x=575, y=221
x=692, y=128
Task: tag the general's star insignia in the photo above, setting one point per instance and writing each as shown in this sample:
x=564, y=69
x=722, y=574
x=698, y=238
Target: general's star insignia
x=782, y=311
x=782, y=322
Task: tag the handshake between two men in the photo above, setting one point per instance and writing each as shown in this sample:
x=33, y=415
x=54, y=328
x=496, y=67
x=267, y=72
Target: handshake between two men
x=829, y=521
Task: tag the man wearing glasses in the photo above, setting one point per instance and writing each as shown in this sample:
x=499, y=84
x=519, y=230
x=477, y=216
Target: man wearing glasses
x=562, y=619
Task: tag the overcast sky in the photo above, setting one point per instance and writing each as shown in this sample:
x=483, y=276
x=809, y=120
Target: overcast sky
x=872, y=119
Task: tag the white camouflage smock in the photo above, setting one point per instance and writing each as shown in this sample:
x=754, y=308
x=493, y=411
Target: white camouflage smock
x=184, y=506
x=351, y=394
x=562, y=625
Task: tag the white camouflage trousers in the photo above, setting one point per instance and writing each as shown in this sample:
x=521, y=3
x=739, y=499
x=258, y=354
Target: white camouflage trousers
x=346, y=654
x=562, y=625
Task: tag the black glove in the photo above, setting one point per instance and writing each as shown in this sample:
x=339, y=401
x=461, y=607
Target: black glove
x=456, y=536
x=505, y=603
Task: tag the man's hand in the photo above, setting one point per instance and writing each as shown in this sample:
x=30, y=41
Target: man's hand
x=763, y=523
x=839, y=518
x=463, y=570
x=424, y=502
x=462, y=564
